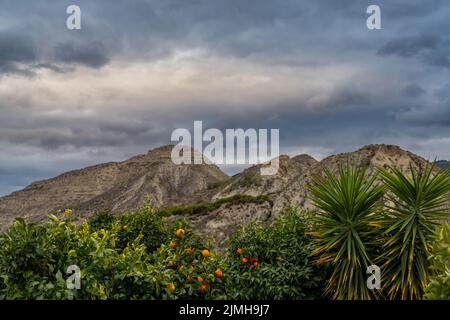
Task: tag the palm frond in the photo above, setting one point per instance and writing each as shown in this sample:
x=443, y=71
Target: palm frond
x=416, y=204
x=344, y=228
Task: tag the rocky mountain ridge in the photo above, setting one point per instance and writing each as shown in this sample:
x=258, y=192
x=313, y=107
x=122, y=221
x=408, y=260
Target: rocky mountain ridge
x=124, y=186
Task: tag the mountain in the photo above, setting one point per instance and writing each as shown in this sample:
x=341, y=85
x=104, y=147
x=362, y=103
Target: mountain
x=290, y=186
x=443, y=164
x=124, y=186
x=114, y=186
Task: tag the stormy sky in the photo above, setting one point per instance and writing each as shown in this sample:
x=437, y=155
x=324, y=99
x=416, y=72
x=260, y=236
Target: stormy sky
x=138, y=69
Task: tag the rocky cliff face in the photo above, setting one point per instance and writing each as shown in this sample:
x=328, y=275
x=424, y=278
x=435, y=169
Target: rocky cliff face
x=290, y=186
x=124, y=186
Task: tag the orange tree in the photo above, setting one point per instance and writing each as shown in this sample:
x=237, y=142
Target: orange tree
x=34, y=259
x=198, y=272
x=272, y=261
x=145, y=222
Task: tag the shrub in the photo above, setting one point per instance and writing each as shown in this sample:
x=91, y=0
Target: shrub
x=272, y=262
x=34, y=260
x=194, y=265
x=102, y=220
x=146, y=222
x=439, y=287
x=249, y=181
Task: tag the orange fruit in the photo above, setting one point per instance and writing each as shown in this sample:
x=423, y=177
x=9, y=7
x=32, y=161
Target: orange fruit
x=244, y=260
x=170, y=286
x=180, y=233
x=253, y=260
x=125, y=227
x=203, y=288
x=252, y=266
x=205, y=253
x=256, y=264
x=239, y=251
x=199, y=279
x=218, y=273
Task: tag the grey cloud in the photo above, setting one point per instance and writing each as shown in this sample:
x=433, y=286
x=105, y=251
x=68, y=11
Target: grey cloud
x=93, y=54
x=397, y=104
x=413, y=90
x=16, y=49
x=51, y=66
x=432, y=49
x=409, y=46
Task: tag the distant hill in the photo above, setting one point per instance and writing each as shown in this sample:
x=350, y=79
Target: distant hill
x=443, y=164
x=123, y=186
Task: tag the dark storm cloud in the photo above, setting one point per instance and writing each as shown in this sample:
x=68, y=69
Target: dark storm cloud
x=15, y=49
x=413, y=90
x=93, y=55
x=432, y=49
x=370, y=86
x=410, y=46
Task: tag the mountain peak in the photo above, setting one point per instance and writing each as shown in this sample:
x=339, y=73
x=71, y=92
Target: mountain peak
x=165, y=149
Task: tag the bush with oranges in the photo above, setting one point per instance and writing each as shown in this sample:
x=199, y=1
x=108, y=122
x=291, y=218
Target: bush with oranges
x=272, y=261
x=146, y=221
x=198, y=272
x=140, y=255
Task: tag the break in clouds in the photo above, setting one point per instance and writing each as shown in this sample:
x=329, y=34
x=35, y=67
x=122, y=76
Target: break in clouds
x=139, y=69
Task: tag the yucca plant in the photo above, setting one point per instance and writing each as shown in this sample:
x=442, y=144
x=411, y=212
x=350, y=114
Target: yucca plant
x=344, y=229
x=415, y=204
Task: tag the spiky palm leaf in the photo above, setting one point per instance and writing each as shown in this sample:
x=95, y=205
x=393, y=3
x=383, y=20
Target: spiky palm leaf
x=344, y=229
x=416, y=203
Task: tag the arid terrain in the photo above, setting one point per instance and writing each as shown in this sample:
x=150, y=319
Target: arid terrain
x=123, y=186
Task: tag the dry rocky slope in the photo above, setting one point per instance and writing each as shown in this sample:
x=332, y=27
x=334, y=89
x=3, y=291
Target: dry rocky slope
x=125, y=186
x=113, y=186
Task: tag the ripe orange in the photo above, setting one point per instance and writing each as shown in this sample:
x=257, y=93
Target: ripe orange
x=203, y=288
x=199, y=279
x=239, y=251
x=170, y=286
x=180, y=233
x=205, y=253
x=252, y=266
x=253, y=260
x=244, y=260
x=256, y=264
x=218, y=273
